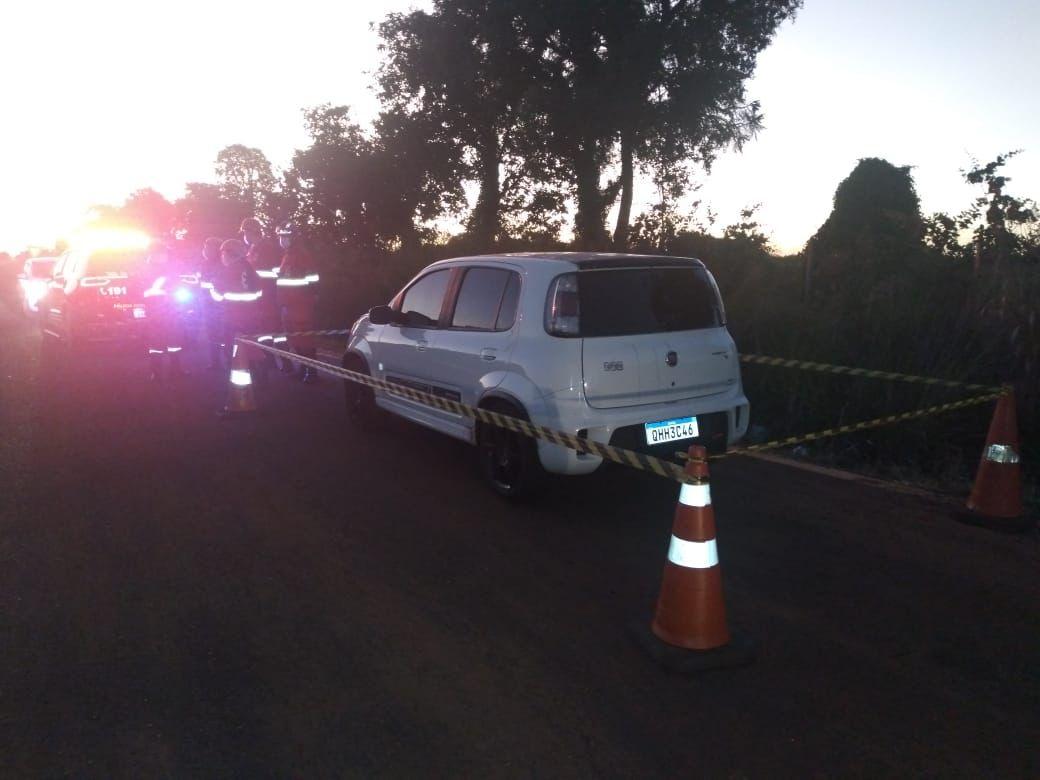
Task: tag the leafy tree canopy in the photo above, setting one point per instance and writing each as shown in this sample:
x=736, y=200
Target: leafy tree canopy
x=875, y=225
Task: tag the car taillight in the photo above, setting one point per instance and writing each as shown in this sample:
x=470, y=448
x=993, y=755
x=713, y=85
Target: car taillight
x=562, y=309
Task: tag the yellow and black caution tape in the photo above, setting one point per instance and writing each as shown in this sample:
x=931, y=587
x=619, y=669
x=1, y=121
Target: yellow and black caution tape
x=828, y=368
x=638, y=460
x=878, y=422
x=335, y=332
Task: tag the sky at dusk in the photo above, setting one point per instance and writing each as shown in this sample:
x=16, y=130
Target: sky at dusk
x=100, y=99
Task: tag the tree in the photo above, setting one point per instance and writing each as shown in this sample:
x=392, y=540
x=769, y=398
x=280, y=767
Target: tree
x=657, y=229
x=874, y=228
x=748, y=229
x=655, y=82
x=372, y=192
x=1001, y=222
x=145, y=210
x=471, y=105
x=328, y=175
x=206, y=210
x=246, y=176
x=149, y=211
x=942, y=234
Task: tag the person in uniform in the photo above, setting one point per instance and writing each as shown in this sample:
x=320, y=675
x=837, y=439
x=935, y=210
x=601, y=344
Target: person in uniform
x=263, y=254
x=297, y=296
x=238, y=292
x=213, y=327
x=164, y=332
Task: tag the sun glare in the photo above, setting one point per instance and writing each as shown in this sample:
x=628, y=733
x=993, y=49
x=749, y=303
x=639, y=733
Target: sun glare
x=110, y=238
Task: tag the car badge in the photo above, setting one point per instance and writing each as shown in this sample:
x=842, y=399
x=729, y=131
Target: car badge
x=614, y=365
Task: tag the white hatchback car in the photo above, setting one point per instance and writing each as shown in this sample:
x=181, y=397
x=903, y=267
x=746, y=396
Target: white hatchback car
x=628, y=350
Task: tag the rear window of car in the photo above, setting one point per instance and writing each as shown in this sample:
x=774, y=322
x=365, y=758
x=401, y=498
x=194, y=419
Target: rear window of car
x=630, y=301
x=113, y=262
x=41, y=269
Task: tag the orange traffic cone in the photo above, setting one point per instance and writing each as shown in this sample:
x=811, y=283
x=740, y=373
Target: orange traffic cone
x=690, y=625
x=240, y=390
x=996, y=496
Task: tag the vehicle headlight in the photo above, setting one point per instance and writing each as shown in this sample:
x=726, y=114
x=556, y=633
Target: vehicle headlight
x=35, y=290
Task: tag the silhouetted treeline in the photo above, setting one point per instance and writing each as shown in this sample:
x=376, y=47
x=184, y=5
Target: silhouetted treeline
x=514, y=121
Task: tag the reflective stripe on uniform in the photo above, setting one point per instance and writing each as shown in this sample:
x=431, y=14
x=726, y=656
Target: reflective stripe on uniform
x=240, y=377
x=695, y=495
x=298, y=281
x=693, y=555
x=271, y=274
x=241, y=297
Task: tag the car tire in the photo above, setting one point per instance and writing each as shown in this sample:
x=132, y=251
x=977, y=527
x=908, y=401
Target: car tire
x=360, y=400
x=508, y=461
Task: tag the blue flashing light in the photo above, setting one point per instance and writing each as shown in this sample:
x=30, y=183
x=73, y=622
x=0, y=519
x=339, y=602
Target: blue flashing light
x=182, y=295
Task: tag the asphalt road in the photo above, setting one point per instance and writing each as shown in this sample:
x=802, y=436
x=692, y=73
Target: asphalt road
x=273, y=596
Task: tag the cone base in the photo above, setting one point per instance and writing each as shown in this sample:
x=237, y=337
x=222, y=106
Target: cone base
x=1011, y=525
x=738, y=653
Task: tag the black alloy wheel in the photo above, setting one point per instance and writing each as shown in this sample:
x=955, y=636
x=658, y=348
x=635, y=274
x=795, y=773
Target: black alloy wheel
x=360, y=400
x=508, y=461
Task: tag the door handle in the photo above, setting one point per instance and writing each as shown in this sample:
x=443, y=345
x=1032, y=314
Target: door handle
x=421, y=345
x=488, y=353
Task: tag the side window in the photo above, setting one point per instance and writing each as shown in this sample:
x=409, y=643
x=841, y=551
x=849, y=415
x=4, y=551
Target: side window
x=421, y=304
x=480, y=298
x=507, y=311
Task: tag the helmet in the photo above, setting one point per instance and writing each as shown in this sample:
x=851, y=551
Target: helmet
x=251, y=223
x=235, y=248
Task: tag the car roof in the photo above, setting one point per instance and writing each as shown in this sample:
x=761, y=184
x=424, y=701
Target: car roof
x=589, y=260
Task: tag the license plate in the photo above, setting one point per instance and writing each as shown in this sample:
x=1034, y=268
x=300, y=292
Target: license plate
x=671, y=430
x=139, y=313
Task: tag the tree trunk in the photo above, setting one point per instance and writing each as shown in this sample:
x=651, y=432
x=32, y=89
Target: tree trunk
x=625, y=211
x=485, y=222
x=588, y=219
x=807, y=273
x=411, y=241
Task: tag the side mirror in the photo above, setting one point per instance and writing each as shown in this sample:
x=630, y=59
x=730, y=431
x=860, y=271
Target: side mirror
x=381, y=315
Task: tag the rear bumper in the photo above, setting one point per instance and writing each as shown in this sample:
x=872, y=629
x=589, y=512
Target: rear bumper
x=722, y=419
x=90, y=324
